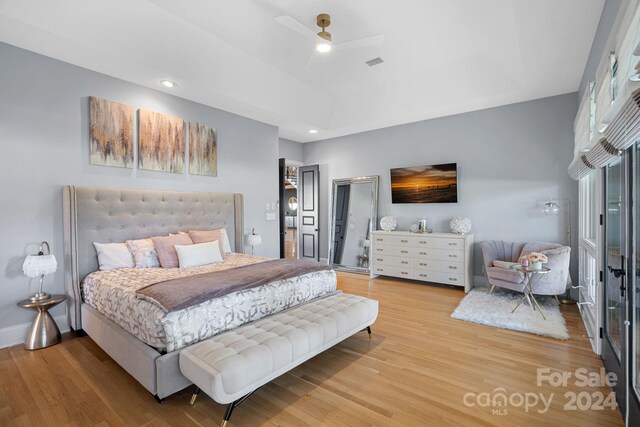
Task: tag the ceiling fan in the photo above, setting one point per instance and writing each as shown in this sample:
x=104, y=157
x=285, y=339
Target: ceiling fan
x=323, y=40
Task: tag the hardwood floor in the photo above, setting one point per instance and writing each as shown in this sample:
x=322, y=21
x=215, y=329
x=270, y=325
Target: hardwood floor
x=415, y=371
x=291, y=243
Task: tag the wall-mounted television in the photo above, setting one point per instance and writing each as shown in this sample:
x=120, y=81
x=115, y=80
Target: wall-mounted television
x=425, y=184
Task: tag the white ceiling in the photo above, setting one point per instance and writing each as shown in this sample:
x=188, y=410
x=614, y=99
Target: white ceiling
x=442, y=57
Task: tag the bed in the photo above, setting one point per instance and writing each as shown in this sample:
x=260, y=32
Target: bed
x=143, y=339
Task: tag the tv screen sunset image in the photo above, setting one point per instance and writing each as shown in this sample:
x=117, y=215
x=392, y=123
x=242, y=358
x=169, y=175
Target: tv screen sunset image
x=425, y=184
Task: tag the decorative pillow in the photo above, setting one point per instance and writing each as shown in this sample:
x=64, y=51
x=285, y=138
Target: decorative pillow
x=166, y=248
x=199, y=254
x=204, y=236
x=113, y=255
x=144, y=254
x=503, y=264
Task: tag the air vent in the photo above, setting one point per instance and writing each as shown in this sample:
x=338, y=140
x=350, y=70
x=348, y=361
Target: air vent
x=375, y=61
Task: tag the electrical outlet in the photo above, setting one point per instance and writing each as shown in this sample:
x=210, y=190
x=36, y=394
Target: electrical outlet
x=268, y=206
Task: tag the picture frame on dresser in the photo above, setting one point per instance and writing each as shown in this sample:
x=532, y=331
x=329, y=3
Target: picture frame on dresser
x=443, y=258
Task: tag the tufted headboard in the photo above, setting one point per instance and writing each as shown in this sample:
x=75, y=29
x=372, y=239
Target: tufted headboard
x=113, y=215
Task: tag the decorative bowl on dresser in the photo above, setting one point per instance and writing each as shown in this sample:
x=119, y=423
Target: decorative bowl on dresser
x=445, y=258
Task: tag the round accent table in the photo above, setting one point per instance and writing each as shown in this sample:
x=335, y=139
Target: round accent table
x=44, y=332
x=529, y=285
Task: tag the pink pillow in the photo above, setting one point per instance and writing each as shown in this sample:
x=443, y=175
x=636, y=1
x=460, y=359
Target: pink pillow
x=206, y=236
x=166, y=248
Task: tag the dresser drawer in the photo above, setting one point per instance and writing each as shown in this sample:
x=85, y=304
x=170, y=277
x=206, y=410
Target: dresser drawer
x=401, y=251
x=440, y=255
x=443, y=266
x=393, y=261
x=453, y=244
x=391, y=240
x=406, y=272
x=440, y=277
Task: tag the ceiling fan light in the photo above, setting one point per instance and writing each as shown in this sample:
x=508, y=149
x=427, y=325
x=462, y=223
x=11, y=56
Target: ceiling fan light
x=323, y=47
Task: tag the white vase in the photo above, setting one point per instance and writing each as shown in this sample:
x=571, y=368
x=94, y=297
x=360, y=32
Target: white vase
x=536, y=265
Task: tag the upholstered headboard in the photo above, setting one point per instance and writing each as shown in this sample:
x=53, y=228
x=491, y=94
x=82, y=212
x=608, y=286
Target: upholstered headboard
x=113, y=215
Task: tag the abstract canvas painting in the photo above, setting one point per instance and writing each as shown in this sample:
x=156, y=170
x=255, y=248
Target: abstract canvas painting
x=160, y=142
x=110, y=133
x=203, y=150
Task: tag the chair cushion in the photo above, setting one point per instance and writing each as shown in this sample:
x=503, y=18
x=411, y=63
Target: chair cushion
x=508, y=275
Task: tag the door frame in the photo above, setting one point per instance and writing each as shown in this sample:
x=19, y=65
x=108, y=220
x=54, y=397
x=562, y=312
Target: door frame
x=611, y=361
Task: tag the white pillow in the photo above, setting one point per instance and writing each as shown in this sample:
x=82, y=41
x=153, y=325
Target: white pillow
x=113, y=255
x=198, y=254
x=225, y=241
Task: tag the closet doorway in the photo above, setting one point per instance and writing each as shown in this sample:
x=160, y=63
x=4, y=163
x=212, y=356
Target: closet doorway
x=288, y=173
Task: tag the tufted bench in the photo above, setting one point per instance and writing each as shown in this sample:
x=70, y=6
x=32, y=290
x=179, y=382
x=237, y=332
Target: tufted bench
x=231, y=366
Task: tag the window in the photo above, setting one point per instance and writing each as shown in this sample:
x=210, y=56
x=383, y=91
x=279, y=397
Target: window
x=592, y=109
x=613, y=72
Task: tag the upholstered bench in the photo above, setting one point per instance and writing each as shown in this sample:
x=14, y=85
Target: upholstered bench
x=231, y=366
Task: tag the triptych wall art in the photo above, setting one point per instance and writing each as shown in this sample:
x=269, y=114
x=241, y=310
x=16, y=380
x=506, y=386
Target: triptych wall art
x=161, y=140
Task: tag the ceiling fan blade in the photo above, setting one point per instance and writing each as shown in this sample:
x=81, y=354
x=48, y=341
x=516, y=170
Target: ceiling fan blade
x=363, y=42
x=294, y=25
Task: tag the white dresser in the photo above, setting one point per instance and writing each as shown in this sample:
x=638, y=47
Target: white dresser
x=431, y=257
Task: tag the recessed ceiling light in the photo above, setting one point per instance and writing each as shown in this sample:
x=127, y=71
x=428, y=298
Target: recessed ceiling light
x=603, y=127
x=313, y=130
x=168, y=83
x=635, y=78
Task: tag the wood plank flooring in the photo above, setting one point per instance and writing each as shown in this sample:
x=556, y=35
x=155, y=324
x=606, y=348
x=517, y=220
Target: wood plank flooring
x=415, y=371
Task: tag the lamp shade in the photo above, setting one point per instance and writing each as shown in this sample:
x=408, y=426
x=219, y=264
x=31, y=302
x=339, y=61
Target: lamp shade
x=39, y=265
x=254, y=240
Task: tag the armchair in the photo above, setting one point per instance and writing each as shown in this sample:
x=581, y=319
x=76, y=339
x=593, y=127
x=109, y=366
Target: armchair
x=554, y=283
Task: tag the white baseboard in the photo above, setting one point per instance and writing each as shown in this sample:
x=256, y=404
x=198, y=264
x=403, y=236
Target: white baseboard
x=324, y=260
x=16, y=334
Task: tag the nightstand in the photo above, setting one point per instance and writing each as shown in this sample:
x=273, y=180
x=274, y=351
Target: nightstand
x=44, y=332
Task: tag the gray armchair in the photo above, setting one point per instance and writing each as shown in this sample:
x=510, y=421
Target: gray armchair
x=554, y=283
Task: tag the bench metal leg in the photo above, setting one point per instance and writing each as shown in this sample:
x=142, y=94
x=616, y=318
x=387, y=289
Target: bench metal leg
x=232, y=406
x=369, y=331
x=194, y=396
x=157, y=398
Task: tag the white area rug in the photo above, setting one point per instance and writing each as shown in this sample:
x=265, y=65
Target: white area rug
x=495, y=310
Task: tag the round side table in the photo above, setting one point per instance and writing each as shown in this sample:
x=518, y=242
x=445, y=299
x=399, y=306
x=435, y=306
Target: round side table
x=529, y=285
x=44, y=332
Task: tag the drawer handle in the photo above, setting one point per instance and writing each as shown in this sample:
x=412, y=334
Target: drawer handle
x=453, y=279
x=453, y=244
x=423, y=253
x=403, y=272
x=404, y=252
x=404, y=241
x=380, y=269
x=378, y=249
x=453, y=256
x=423, y=264
x=405, y=262
x=422, y=242
x=379, y=259
x=423, y=275
x=379, y=240
x=451, y=267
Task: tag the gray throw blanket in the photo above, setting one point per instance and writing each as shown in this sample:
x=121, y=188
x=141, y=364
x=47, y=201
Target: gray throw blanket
x=184, y=292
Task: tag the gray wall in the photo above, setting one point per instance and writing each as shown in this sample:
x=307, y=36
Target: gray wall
x=509, y=160
x=44, y=137
x=607, y=19
x=290, y=150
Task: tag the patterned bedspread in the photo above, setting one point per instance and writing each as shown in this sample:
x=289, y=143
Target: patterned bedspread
x=113, y=293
